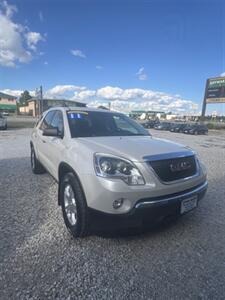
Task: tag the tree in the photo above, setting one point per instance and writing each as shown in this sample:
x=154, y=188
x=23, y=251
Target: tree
x=25, y=96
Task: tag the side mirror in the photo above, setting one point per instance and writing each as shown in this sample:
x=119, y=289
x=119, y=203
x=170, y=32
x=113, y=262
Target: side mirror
x=52, y=132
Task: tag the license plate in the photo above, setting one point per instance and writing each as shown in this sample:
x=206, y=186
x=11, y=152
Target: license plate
x=188, y=204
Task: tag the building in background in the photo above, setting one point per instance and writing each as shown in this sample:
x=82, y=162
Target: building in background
x=7, y=103
x=147, y=114
x=35, y=106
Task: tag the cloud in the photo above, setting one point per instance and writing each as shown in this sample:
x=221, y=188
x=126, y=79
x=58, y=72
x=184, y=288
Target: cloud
x=98, y=67
x=13, y=49
x=126, y=99
x=78, y=53
x=41, y=17
x=63, y=91
x=110, y=93
x=45, y=63
x=83, y=95
x=32, y=39
x=135, y=98
x=177, y=106
x=16, y=93
x=123, y=100
x=222, y=74
x=9, y=9
x=141, y=74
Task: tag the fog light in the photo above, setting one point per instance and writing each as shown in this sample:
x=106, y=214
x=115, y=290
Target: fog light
x=118, y=203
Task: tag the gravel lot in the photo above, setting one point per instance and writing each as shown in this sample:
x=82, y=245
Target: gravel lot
x=39, y=260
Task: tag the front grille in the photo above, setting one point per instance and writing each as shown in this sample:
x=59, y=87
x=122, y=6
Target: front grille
x=175, y=168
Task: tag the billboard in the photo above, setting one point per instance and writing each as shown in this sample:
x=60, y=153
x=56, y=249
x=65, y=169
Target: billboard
x=215, y=90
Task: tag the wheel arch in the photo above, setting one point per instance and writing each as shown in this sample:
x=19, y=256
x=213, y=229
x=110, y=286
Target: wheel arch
x=63, y=169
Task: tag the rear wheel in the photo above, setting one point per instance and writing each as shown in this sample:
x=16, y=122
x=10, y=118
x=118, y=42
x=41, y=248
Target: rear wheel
x=36, y=166
x=74, y=207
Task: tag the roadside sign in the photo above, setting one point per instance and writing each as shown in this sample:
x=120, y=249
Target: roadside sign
x=215, y=90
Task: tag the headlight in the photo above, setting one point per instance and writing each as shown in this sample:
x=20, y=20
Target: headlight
x=197, y=158
x=115, y=167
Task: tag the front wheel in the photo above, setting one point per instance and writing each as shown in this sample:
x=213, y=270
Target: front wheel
x=36, y=166
x=74, y=207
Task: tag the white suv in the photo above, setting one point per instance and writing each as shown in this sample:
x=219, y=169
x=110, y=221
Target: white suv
x=111, y=171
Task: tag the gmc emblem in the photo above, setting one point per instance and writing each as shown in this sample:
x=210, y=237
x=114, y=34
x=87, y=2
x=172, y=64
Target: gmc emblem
x=180, y=166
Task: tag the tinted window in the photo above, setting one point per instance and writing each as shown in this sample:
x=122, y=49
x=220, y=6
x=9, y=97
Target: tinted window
x=57, y=121
x=122, y=125
x=46, y=123
x=90, y=124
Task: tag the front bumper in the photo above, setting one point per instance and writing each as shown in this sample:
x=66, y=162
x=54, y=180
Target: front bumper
x=147, y=210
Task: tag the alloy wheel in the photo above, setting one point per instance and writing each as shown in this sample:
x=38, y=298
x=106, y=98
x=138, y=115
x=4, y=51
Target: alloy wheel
x=70, y=205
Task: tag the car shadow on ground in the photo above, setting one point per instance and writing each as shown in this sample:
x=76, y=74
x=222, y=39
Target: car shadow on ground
x=144, y=230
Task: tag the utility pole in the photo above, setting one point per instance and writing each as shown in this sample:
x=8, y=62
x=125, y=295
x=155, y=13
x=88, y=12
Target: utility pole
x=204, y=100
x=41, y=99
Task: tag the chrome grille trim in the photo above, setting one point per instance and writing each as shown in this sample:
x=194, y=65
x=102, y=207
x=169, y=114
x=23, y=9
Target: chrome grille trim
x=195, y=191
x=173, y=155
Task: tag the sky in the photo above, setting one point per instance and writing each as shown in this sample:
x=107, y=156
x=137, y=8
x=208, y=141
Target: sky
x=150, y=54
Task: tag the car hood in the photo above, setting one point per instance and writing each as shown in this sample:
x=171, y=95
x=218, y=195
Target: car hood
x=134, y=148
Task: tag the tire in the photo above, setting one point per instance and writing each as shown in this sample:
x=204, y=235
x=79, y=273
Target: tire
x=196, y=133
x=36, y=166
x=5, y=128
x=71, y=195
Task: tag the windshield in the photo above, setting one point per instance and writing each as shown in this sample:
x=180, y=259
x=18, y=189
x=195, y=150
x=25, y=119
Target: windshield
x=92, y=123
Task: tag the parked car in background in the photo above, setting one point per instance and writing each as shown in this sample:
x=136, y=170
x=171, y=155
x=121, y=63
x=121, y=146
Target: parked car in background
x=172, y=126
x=3, y=122
x=150, y=123
x=5, y=113
x=186, y=128
x=196, y=129
x=110, y=170
x=163, y=126
x=178, y=127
